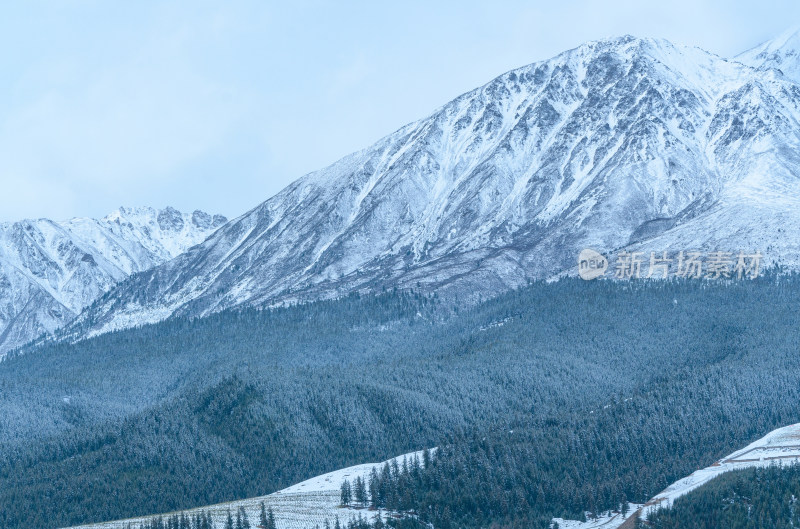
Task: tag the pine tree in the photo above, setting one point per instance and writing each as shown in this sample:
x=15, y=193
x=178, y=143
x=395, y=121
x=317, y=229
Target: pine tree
x=271, y=519
x=229, y=521
x=415, y=466
x=360, y=492
x=373, y=488
x=245, y=519
x=347, y=493
x=262, y=518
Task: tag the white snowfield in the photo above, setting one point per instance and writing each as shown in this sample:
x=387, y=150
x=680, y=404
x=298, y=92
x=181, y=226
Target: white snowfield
x=304, y=505
x=779, y=447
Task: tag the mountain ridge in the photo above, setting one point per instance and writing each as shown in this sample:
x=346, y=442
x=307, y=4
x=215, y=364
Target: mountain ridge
x=781, y=53
x=508, y=182
x=50, y=271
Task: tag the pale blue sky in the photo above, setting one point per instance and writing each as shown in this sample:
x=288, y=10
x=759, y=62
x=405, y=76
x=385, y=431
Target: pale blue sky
x=218, y=105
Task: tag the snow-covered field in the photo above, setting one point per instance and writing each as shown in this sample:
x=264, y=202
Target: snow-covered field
x=607, y=520
x=304, y=505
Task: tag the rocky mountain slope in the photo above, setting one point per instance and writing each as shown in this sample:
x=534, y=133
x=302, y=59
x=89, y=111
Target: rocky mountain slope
x=50, y=271
x=622, y=143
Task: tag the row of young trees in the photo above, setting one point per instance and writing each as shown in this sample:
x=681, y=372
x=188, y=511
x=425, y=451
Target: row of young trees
x=204, y=520
x=377, y=522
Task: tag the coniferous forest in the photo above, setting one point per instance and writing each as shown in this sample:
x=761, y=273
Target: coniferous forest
x=757, y=498
x=551, y=400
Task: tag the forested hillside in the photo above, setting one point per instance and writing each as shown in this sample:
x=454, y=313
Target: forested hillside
x=546, y=401
x=758, y=498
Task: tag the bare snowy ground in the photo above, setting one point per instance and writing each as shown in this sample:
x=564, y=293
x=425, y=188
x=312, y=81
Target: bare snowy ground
x=304, y=505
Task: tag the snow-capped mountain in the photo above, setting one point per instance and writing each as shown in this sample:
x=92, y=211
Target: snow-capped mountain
x=781, y=53
x=618, y=143
x=50, y=271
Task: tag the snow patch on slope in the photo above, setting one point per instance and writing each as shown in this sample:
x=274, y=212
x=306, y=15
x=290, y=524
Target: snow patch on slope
x=304, y=505
x=779, y=447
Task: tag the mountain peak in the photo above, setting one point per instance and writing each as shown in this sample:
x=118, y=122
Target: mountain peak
x=141, y=212
x=614, y=143
x=789, y=39
x=781, y=53
x=50, y=271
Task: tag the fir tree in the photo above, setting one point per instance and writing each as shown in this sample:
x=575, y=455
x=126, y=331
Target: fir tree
x=262, y=517
x=346, y=495
x=373, y=488
x=360, y=492
x=245, y=520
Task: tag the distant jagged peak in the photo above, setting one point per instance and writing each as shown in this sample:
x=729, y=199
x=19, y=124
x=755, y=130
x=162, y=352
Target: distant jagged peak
x=204, y=220
x=50, y=271
x=168, y=218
